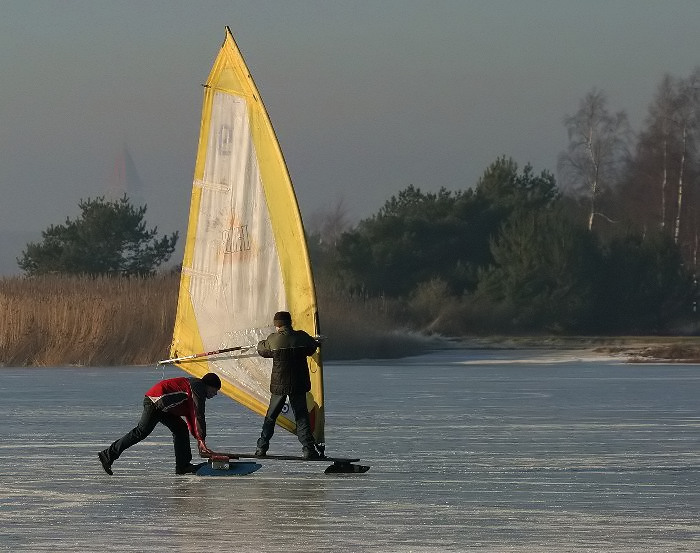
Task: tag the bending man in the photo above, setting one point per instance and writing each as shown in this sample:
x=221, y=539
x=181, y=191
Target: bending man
x=288, y=349
x=167, y=402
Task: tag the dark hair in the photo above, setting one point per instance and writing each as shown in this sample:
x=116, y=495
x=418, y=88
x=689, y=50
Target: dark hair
x=213, y=380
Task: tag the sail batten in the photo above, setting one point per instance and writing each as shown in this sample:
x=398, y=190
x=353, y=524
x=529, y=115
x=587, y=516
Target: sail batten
x=245, y=252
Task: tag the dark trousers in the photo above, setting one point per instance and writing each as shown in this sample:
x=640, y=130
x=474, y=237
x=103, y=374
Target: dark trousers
x=149, y=418
x=301, y=417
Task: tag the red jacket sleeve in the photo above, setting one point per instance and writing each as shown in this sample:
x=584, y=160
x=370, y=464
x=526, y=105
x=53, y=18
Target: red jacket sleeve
x=191, y=413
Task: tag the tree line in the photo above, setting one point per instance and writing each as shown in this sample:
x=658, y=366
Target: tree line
x=612, y=248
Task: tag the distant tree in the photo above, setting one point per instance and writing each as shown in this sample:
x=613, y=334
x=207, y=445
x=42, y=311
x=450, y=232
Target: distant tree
x=324, y=231
x=418, y=238
x=326, y=227
x=544, y=272
x=643, y=284
x=413, y=238
x=506, y=189
x=660, y=190
x=109, y=238
x=656, y=142
x=688, y=119
x=597, y=148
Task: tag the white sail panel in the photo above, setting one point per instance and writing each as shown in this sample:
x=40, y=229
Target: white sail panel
x=236, y=282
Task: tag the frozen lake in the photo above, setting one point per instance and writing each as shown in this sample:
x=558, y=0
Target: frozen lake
x=494, y=451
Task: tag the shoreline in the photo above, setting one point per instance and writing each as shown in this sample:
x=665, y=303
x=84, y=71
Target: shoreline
x=400, y=345
x=633, y=349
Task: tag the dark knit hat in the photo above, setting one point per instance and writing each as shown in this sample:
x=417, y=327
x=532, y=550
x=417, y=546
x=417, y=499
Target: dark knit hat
x=282, y=318
x=213, y=380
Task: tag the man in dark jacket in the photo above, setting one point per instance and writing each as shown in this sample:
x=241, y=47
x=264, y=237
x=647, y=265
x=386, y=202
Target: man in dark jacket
x=288, y=349
x=167, y=402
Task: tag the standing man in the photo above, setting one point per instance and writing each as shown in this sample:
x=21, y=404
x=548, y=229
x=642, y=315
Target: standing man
x=288, y=349
x=167, y=402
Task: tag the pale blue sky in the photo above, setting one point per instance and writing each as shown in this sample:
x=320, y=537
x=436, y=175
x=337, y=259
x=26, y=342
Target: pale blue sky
x=366, y=97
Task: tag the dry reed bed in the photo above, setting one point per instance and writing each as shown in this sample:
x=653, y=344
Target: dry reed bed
x=65, y=320
x=62, y=320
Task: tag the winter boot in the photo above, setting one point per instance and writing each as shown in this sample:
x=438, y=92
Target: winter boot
x=106, y=463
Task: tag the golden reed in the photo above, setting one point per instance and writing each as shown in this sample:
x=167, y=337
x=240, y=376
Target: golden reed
x=70, y=320
x=61, y=320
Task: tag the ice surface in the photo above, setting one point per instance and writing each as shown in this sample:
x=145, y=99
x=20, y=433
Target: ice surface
x=469, y=452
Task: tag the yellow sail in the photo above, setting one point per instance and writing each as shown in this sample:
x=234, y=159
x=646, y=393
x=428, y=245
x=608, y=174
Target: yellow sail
x=245, y=254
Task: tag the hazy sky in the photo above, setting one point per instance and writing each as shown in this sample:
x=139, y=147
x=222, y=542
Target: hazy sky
x=366, y=97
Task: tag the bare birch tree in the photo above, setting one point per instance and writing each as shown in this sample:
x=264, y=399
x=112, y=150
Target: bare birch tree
x=329, y=225
x=598, y=145
x=657, y=141
x=687, y=117
x=662, y=189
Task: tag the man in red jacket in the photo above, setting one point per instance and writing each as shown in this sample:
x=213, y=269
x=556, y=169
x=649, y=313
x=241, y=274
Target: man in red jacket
x=167, y=402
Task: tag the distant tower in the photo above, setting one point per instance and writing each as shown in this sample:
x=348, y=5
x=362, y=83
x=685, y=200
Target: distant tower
x=126, y=180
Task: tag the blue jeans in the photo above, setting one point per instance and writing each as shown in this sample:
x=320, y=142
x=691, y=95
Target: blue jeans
x=301, y=417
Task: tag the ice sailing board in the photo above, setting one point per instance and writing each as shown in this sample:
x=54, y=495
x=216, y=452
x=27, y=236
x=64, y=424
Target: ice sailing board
x=339, y=465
